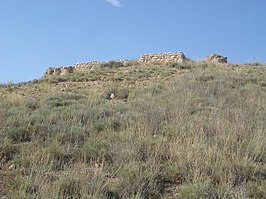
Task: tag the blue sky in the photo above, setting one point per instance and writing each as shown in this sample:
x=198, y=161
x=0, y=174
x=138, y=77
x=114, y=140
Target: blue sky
x=36, y=34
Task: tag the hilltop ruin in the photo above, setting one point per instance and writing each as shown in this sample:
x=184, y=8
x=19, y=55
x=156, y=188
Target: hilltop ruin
x=216, y=59
x=170, y=57
x=178, y=57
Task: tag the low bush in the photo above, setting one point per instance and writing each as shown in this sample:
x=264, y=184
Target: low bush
x=181, y=66
x=112, y=65
x=120, y=93
x=7, y=150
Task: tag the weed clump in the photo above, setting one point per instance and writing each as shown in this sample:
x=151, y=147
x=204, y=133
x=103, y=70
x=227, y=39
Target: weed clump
x=112, y=65
x=120, y=93
x=181, y=66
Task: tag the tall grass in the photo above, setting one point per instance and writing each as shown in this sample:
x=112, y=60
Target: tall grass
x=199, y=134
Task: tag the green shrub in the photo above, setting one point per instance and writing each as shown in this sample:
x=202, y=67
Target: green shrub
x=256, y=189
x=94, y=149
x=35, y=81
x=254, y=64
x=73, y=136
x=120, y=93
x=59, y=157
x=57, y=101
x=56, y=79
x=197, y=190
x=69, y=187
x=205, y=78
x=181, y=66
x=112, y=65
x=18, y=135
x=32, y=104
x=7, y=150
x=156, y=89
x=71, y=96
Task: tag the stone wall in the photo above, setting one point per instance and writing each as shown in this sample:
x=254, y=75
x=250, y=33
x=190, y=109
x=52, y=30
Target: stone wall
x=215, y=58
x=57, y=71
x=163, y=57
x=69, y=69
x=146, y=58
x=86, y=66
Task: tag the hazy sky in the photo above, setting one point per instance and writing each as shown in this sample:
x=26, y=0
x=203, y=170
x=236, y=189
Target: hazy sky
x=36, y=34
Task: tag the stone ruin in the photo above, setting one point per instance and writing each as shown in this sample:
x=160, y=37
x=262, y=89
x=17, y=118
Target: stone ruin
x=215, y=58
x=163, y=57
x=86, y=66
x=58, y=71
x=176, y=57
x=69, y=69
x=147, y=58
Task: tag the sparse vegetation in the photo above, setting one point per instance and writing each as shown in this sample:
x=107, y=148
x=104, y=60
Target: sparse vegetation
x=191, y=130
x=112, y=65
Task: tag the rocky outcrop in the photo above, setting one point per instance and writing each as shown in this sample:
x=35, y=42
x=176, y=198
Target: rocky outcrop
x=163, y=57
x=215, y=58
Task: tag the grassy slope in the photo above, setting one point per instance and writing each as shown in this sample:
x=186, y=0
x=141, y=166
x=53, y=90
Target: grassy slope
x=194, y=130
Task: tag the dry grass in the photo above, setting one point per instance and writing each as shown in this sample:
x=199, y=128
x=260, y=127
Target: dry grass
x=195, y=130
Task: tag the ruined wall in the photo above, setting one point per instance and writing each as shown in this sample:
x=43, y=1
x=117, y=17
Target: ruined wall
x=57, y=71
x=215, y=58
x=163, y=57
x=70, y=69
x=86, y=66
x=147, y=58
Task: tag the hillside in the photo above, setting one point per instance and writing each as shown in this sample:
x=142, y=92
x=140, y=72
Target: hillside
x=136, y=130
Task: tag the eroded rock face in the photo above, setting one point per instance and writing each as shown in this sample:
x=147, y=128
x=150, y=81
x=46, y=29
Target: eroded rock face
x=216, y=58
x=163, y=57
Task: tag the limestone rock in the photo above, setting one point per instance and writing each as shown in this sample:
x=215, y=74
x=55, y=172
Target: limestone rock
x=112, y=96
x=215, y=58
x=12, y=167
